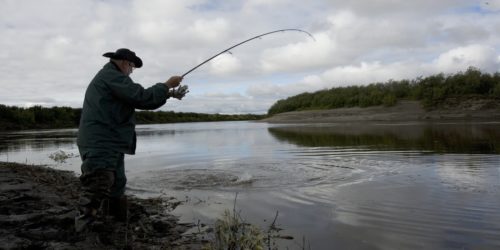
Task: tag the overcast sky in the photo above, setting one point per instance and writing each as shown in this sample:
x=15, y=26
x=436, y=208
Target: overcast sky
x=51, y=49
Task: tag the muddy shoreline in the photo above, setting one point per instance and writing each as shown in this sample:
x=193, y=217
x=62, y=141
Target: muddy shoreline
x=37, y=209
x=404, y=111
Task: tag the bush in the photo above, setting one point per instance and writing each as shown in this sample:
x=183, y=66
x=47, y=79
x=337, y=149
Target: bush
x=431, y=91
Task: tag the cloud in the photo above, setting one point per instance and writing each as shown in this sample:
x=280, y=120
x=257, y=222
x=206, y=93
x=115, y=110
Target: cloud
x=300, y=55
x=491, y=5
x=56, y=48
x=209, y=30
x=480, y=56
x=222, y=104
x=454, y=60
x=369, y=72
x=52, y=49
x=225, y=64
x=345, y=37
x=379, y=8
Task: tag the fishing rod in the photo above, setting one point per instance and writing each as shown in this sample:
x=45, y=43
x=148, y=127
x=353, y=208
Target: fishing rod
x=180, y=92
x=248, y=40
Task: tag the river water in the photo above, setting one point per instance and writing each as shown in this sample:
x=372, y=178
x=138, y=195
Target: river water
x=333, y=186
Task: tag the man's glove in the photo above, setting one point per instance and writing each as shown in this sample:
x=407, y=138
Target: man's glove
x=180, y=92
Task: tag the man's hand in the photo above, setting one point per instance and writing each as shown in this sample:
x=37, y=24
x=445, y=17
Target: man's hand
x=173, y=82
x=180, y=92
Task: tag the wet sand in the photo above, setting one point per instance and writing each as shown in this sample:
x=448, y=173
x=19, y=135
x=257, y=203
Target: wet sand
x=37, y=210
x=404, y=111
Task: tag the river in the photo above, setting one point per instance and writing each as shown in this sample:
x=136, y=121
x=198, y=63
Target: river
x=334, y=186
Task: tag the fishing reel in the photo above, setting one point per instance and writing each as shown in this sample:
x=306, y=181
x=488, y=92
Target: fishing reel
x=179, y=92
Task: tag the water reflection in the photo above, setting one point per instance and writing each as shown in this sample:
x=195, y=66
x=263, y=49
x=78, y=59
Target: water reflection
x=36, y=140
x=441, y=138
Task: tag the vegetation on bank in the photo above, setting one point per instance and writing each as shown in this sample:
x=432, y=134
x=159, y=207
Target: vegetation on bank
x=232, y=232
x=431, y=91
x=37, y=117
x=153, y=117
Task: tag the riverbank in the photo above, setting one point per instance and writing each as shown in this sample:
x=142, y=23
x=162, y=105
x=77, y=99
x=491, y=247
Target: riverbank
x=404, y=111
x=37, y=210
x=37, y=117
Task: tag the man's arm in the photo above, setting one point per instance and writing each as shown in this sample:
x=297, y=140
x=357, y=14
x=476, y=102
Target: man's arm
x=139, y=97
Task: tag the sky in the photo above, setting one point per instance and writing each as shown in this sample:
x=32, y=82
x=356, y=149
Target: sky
x=51, y=49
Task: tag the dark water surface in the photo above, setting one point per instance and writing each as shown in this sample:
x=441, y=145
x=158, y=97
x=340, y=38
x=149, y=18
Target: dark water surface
x=335, y=186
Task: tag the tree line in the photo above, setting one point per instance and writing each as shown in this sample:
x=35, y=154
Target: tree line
x=38, y=117
x=431, y=91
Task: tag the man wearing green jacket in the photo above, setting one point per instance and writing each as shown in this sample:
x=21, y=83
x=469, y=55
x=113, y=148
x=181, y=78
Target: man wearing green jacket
x=107, y=131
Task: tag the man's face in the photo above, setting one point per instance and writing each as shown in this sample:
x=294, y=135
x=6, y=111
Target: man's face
x=127, y=67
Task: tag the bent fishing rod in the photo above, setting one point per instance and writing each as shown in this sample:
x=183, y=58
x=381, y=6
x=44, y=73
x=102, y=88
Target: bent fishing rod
x=248, y=40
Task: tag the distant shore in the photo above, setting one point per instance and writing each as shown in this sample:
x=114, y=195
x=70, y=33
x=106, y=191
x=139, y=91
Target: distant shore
x=404, y=111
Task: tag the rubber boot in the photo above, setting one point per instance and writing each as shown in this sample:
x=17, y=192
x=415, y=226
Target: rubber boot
x=85, y=217
x=118, y=208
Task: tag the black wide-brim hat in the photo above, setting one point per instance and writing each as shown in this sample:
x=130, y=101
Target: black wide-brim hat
x=125, y=54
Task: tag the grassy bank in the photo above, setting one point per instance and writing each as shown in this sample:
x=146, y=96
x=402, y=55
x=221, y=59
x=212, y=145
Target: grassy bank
x=433, y=92
x=471, y=110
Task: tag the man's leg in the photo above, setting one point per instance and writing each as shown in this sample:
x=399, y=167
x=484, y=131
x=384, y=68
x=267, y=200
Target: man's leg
x=97, y=179
x=118, y=188
x=118, y=204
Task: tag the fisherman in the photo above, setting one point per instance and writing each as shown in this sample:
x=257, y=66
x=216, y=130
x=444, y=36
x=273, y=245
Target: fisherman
x=107, y=132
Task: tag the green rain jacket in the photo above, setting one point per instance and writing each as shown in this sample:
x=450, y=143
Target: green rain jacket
x=108, y=115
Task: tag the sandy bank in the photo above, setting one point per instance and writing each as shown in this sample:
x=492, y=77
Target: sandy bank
x=404, y=111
